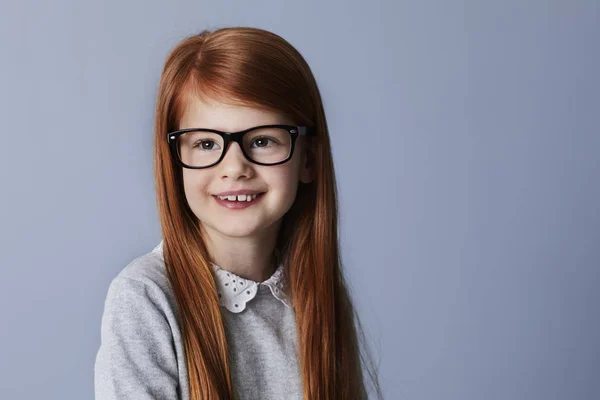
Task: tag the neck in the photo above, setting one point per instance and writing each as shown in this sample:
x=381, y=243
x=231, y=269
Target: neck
x=250, y=257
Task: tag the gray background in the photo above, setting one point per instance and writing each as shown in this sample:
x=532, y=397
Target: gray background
x=466, y=142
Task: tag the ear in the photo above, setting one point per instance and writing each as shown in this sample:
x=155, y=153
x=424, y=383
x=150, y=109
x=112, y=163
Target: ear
x=307, y=166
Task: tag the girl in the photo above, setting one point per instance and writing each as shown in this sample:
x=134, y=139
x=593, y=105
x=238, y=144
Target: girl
x=244, y=297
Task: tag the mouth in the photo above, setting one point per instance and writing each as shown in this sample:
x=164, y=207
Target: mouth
x=241, y=197
x=240, y=201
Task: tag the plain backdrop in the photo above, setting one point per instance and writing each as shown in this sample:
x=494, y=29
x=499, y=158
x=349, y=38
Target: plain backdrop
x=466, y=144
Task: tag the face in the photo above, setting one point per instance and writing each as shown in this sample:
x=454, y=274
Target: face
x=277, y=184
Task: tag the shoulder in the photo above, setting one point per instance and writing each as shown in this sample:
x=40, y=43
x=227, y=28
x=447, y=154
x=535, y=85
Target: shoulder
x=141, y=347
x=149, y=269
x=143, y=283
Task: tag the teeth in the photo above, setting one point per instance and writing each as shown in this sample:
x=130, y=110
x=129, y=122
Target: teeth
x=241, y=197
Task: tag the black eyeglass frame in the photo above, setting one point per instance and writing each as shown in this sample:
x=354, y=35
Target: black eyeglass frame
x=294, y=130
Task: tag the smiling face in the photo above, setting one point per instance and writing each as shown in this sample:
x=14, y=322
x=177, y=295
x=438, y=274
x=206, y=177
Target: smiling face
x=277, y=184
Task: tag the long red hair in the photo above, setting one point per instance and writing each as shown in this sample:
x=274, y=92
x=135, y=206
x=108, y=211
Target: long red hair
x=256, y=67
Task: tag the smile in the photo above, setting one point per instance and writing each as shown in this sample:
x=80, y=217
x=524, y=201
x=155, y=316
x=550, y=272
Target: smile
x=238, y=202
x=241, y=197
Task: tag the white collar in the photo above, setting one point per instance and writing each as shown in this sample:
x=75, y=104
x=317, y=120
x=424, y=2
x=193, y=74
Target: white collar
x=235, y=292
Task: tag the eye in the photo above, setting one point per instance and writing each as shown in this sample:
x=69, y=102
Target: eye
x=262, y=142
x=206, y=144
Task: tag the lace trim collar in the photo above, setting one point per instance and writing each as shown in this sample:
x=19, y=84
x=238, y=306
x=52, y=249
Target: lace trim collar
x=235, y=292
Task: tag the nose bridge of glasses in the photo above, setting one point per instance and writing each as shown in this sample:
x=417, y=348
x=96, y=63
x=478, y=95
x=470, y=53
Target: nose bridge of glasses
x=235, y=137
x=232, y=140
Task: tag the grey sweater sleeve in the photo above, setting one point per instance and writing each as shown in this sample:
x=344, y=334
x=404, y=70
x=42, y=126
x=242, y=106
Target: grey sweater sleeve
x=136, y=358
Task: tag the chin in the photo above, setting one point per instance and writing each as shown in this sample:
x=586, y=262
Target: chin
x=238, y=229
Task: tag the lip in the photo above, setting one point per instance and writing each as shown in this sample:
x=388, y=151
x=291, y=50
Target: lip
x=237, y=205
x=238, y=192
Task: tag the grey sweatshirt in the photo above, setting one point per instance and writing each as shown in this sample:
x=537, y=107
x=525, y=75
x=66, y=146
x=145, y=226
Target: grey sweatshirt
x=141, y=354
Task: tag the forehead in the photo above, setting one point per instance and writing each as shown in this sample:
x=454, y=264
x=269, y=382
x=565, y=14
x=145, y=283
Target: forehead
x=209, y=113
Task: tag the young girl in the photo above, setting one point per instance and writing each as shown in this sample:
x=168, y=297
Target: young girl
x=244, y=297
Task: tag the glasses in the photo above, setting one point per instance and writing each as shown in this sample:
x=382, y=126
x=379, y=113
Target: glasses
x=263, y=145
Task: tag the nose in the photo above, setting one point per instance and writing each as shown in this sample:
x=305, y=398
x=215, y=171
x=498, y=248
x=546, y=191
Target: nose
x=235, y=165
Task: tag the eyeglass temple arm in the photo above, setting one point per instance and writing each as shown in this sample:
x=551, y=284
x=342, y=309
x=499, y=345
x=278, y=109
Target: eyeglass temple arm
x=306, y=131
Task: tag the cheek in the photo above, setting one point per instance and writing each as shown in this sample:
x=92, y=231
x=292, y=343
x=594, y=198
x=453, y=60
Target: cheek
x=284, y=180
x=195, y=184
x=287, y=174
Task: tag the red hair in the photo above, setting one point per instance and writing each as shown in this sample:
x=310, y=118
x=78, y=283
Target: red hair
x=251, y=66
